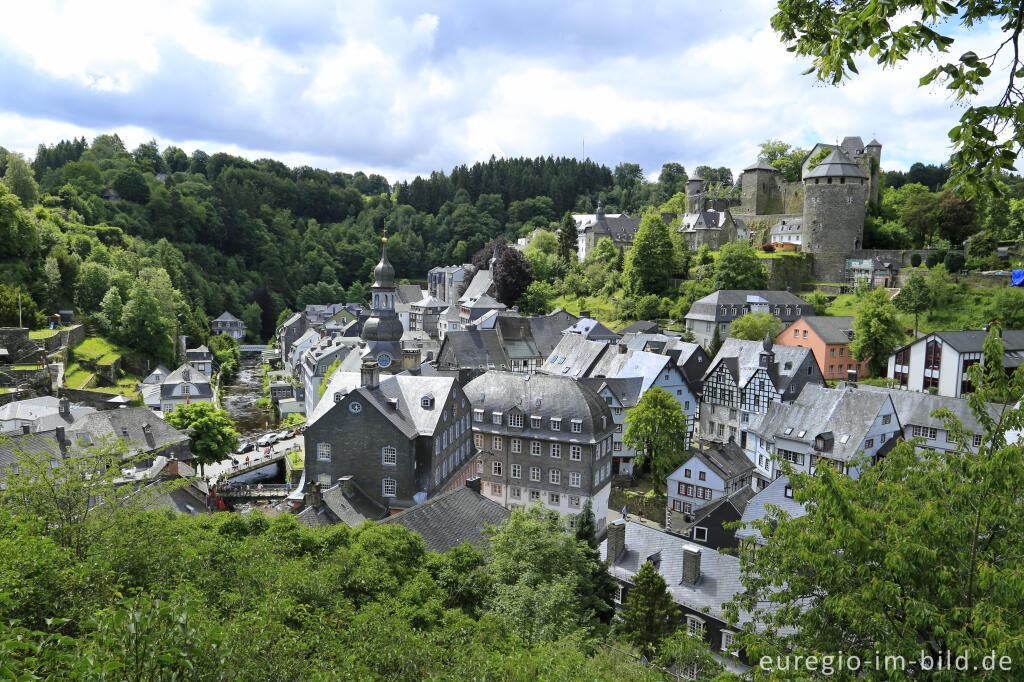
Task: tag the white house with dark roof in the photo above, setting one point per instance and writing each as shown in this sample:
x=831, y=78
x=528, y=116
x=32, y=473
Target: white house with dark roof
x=201, y=358
x=940, y=360
x=700, y=580
x=786, y=231
x=591, y=330
x=40, y=414
x=182, y=386
x=745, y=379
x=722, y=307
x=709, y=472
x=835, y=427
x=228, y=324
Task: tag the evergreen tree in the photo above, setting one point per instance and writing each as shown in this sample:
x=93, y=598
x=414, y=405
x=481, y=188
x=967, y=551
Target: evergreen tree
x=715, y=344
x=651, y=261
x=111, y=309
x=586, y=525
x=649, y=614
x=568, y=239
x=142, y=326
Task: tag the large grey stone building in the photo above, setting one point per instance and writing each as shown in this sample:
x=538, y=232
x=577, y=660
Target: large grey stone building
x=542, y=439
x=401, y=439
x=722, y=307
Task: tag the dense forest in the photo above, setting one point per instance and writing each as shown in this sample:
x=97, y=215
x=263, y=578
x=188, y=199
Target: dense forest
x=111, y=231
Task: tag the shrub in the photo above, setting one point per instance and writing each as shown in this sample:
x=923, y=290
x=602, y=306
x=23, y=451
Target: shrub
x=934, y=258
x=915, y=260
x=954, y=262
x=767, y=247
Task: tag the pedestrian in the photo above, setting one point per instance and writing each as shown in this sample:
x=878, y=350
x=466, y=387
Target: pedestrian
x=247, y=460
x=625, y=513
x=288, y=486
x=259, y=488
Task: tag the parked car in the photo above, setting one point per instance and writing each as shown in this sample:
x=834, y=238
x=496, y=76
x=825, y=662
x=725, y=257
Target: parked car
x=281, y=435
x=266, y=440
x=245, y=447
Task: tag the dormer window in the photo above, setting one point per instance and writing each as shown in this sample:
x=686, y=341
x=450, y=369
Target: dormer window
x=515, y=420
x=427, y=402
x=577, y=426
x=535, y=422
x=556, y=423
x=496, y=418
x=478, y=415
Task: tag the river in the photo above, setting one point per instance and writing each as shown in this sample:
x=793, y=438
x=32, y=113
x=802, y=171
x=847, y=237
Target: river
x=239, y=399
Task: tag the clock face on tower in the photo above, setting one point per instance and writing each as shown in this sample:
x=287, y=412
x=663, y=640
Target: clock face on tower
x=383, y=360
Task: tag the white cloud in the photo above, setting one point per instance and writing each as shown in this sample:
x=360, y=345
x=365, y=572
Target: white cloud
x=373, y=86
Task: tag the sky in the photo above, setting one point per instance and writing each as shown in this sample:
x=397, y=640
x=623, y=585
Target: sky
x=405, y=88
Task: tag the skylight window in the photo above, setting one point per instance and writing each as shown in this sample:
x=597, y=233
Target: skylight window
x=801, y=434
x=789, y=430
x=845, y=438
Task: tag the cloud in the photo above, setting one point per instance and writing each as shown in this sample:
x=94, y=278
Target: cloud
x=402, y=89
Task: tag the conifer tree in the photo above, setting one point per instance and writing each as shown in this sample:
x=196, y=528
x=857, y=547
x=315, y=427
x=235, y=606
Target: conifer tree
x=651, y=261
x=716, y=343
x=567, y=239
x=650, y=614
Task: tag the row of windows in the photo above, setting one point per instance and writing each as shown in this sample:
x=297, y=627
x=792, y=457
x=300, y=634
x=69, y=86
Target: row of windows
x=698, y=491
x=515, y=446
x=516, y=420
x=554, y=475
x=553, y=499
x=451, y=462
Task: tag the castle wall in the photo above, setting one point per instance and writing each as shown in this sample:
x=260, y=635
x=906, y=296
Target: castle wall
x=833, y=215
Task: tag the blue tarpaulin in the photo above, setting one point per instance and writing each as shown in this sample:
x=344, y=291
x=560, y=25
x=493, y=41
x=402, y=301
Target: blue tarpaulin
x=1017, y=279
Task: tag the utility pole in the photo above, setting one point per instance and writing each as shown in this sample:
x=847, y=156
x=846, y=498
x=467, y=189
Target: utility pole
x=19, y=308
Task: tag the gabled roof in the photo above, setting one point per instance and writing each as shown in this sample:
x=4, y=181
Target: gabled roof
x=742, y=359
x=831, y=330
x=846, y=414
x=626, y=391
x=352, y=507
x=916, y=407
x=473, y=348
x=409, y=390
x=725, y=459
x=590, y=328
x=737, y=499
x=195, y=378
x=707, y=308
x=409, y=293
x=481, y=284
x=339, y=382
x=573, y=356
x=227, y=317
x=761, y=164
x=719, y=582
x=631, y=363
x=43, y=412
x=452, y=518
x=641, y=327
x=774, y=495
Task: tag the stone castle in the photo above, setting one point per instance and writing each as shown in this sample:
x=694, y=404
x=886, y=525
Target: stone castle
x=822, y=213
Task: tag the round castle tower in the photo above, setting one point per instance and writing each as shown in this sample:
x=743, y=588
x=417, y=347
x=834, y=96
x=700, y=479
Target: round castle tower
x=835, y=193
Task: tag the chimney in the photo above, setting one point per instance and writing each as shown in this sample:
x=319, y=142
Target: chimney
x=311, y=496
x=348, y=486
x=172, y=467
x=851, y=376
x=584, y=312
x=691, y=566
x=370, y=374
x=62, y=442
x=410, y=358
x=186, y=375
x=473, y=484
x=622, y=348
x=26, y=429
x=616, y=540
x=64, y=407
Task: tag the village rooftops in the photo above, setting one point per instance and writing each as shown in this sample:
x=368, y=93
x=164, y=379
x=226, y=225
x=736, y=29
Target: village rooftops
x=742, y=359
x=831, y=330
x=727, y=304
x=452, y=518
x=779, y=494
x=725, y=459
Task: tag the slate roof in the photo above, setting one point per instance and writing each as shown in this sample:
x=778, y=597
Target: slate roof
x=621, y=228
x=41, y=442
x=626, y=391
x=429, y=302
x=184, y=499
x=720, y=573
x=485, y=301
x=738, y=500
x=831, y=330
x=227, y=317
x=916, y=407
x=452, y=518
x=972, y=340
x=773, y=495
x=632, y=363
x=339, y=382
x=836, y=165
x=545, y=396
x=473, y=348
x=409, y=390
x=726, y=459
x=742, y=358
x=351, y=508
x=761, y=164
x=481, y=284
x=204, y=389
x=409, y=293
x=641, y=327
x=157, y=375
x=43, y=412
x=708, y=308
x=590, y=328
x=451, y=313
x=846, y=414
x=787, y=226
x=128, y=423
x=573, y=356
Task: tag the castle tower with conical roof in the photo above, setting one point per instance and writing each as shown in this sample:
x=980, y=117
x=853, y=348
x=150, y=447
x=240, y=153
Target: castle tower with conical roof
x=382, y=331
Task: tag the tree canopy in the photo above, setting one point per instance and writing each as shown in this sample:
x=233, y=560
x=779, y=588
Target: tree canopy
x=211, y=431
x=657, y=427
x=877, y=331
x=755, y=326
x=650, y=262
x=738, y=267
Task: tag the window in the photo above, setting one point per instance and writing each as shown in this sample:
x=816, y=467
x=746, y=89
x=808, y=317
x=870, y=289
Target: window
x=535, y=474
x=575, y=479
x=933, y=354
x=618, y=594
x=796, y=333
x=727, y=639
x=556, y=450
x=976, y=440
x=496, y=443
x=576, y=453
x=617, y=447
x=515, y=420
x=617, y=411
x=496, y=468
x=478, y=415
x=700, y=534
x=577, y=426
x=832, y=352
x=323, y=452
x=535, y=422
x=556, y=424
x=496, y=489
x=694, y=627
x=792, y=457
x=426, y=402
x=926, y=432
x=869, y=443
x=437, y=476
x=554, y=499
x=574, y=501
x=618, y=428
x=686, y=405
x=555, y=476
x=842, y=351
x=886, y=418
x=534, y=495
x=496, y=418
x=686, y=473
x=389, y=487
x=535, y=447
x=702, y=476
x=478, y=440
x=515, y=492
x=515, y=445
x=479, y=466
x=516, y=471
x=388, y=455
